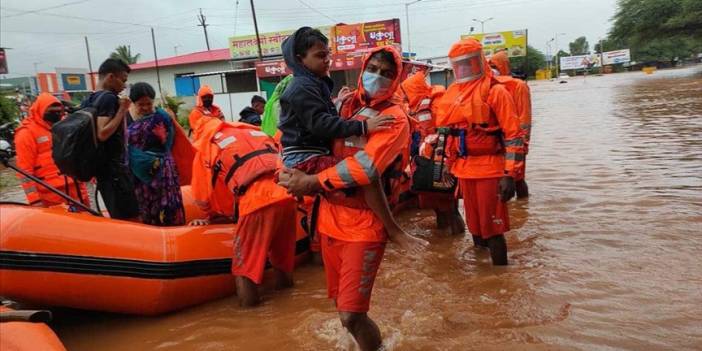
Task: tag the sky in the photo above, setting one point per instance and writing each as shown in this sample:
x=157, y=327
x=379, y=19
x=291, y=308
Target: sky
x=50, y=33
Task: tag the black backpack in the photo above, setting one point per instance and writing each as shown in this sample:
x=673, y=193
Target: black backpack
x=431, y=175
x=75, y=146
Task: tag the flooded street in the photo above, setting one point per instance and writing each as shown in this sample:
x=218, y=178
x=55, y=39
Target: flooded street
x=606, y=254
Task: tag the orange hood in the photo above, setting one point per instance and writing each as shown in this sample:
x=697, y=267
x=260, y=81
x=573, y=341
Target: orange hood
x=39, y=107
x=358, y=99
x=415, y=88
x=465, y=102
x=204, y=90
x=501, y=61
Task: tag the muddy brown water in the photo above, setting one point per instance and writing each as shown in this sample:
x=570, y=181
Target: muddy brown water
x=605, y=255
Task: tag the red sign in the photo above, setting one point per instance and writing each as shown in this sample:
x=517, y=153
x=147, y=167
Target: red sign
x=272, y=69
x=409, y=68
x=366, y=36
x=342, y=62
x=339, y=62
x=3, y=62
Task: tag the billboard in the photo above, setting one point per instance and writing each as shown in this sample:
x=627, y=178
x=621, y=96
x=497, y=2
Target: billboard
x=3, y=61
x=245, y=46
x=72, y=79
x=616, y=56
x=514, y=42
x=339, y=62
x=366, y=36
x=580, y=62
x=272, y=69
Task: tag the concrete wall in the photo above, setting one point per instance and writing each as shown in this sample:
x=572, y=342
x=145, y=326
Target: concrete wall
x=168, y=75
x=231, y=104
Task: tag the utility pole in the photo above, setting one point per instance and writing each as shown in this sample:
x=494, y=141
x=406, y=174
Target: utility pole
x=482, y=23
x=549, y=54
x=601, y=56
x=158, y=74
x=409, y=42
x=175, y=50
x=558, y=59
x=201, y=18
x=90, y=65
x=258, y=37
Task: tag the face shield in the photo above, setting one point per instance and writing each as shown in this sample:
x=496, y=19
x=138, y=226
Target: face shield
x=467, y=67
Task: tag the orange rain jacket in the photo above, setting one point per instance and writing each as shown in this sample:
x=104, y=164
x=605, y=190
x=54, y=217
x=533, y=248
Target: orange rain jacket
x=520, y=92
x=33, y=144
x=365, y=165
x=420, y=104
x=199, y=111
x=482, y=108
x=261, y=193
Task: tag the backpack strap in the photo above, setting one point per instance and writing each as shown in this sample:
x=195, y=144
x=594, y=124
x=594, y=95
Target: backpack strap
x=239, y=161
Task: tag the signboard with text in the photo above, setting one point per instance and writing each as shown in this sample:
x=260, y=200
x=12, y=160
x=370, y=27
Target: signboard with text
x=3, y=62
x=514, y=42
x=366, y=36
x=579, y=62
x=616, y=56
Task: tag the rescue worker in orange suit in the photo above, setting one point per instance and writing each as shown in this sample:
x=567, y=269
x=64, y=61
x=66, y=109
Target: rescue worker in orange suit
x=420, y=103
x=353, y=238
x=521, y=95
x=246, y=193
x=488, y=148
x=204, y=106
x=33, y=144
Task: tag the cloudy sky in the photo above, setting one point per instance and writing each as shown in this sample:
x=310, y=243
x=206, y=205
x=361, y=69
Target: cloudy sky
x=49, y=33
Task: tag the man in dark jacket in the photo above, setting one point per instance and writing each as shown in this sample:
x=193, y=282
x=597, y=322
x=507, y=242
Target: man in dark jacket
x=252, y=114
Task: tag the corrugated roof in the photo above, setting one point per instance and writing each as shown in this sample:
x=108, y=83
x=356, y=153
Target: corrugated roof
x=195, y=57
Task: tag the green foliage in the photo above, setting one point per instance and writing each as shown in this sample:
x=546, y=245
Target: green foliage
x=638, y=21
x=609, y=44
x=666, y=49
x=536, y=60
x=658, y=30
x=8, y=110
x=172, y=102
x=124, y=53
x=579, y=47
x=183, y=120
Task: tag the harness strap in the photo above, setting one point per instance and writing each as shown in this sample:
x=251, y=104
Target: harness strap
x=239, y=161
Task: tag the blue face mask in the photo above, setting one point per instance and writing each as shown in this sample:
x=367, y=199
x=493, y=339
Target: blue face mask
x=375, y=84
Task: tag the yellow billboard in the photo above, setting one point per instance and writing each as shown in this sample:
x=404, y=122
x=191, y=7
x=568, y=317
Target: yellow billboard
x=245, y=46
x=514, y=41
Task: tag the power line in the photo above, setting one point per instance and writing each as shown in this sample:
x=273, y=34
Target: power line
x=45, y=9
x=317, y=11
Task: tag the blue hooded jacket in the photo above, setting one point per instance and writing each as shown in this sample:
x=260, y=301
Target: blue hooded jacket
x=308, y=119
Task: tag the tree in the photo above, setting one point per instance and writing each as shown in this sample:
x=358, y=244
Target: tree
x=536, y=60
x=8, y=110
x=658, y=30
x=579, y=47
x=665, y=50
x=644, y=20
x=124, y=53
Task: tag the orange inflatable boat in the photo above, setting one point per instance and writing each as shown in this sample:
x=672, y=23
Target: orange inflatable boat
x=25, y=335
x=51, y=257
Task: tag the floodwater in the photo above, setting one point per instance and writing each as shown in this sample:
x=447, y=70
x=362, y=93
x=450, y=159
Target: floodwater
x=606, y=254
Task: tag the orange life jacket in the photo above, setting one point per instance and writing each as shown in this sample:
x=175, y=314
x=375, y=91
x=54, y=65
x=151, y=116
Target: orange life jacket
x=478, y=137
x=33, y=143
x=244, y=155
x=350, y=146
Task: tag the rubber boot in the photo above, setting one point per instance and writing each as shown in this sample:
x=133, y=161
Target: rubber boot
x=441, y=219
x=498, y=250
x=478, y=241
x=522, y=189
